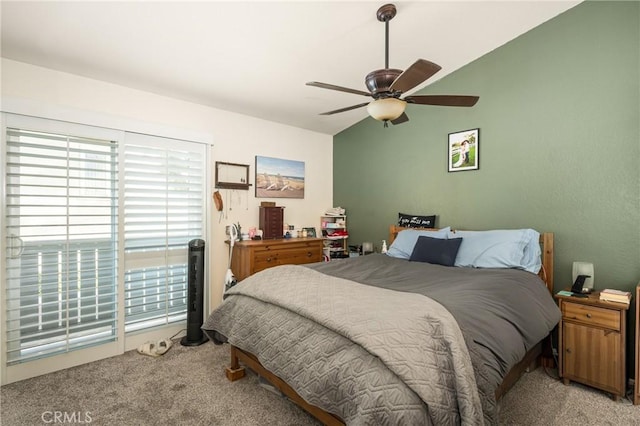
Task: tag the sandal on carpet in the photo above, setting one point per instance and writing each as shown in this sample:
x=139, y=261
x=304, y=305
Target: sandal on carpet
x=147, y=348
x=162, y=346
x=155, y=349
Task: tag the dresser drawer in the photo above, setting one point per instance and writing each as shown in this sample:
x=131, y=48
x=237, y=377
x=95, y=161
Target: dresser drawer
x=300, y=256
x=591, y=315
x=264, y=259
x=254, y=256
x=292, y=244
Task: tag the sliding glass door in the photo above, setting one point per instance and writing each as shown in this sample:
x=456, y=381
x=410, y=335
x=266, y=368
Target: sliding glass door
x=96, y=225
x=163, y=210
x=61, y=227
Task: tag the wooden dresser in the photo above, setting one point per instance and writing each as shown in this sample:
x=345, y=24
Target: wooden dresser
x=253, y=256
x=592, y=343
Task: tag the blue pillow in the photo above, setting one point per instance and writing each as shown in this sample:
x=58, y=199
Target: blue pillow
x=502, y=248
x=436, y=250
x=402, y=246
x=532, y=259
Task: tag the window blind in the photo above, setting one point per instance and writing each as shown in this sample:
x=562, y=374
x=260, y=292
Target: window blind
x=61, y=227
x=164, y=189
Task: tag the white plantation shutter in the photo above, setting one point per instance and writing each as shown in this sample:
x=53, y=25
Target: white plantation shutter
x=61, y=239
x=164, y=199
x=95, y=229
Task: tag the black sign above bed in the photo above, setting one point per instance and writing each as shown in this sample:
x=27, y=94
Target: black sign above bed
x=416, y=221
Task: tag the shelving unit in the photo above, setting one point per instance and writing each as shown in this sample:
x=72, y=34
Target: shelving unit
x=335, y=236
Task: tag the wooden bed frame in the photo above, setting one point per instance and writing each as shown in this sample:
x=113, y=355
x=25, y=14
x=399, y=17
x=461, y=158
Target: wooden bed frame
x=531, y=360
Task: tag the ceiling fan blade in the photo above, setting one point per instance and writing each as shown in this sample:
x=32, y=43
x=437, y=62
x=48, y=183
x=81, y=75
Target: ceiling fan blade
x=338, y=88
x=443, y=100
x=420, y=71
x=402, y=119
x=349, y=108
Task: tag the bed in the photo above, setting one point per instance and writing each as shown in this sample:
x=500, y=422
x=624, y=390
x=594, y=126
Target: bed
x=382, y=339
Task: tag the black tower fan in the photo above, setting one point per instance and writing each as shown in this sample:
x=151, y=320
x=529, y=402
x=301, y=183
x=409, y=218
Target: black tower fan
x=195, y=295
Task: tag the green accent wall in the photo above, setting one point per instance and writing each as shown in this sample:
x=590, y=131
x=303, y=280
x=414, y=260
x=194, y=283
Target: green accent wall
x=559, y=115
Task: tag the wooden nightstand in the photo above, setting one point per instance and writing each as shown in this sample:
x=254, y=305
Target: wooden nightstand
x=636, y=392
x=592, y=338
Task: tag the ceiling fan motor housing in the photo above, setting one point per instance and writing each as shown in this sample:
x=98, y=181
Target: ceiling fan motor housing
x=379, y=82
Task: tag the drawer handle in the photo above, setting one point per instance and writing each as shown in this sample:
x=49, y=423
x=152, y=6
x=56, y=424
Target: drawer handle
x=588, y=315
x=309, y=254
x=268, y=259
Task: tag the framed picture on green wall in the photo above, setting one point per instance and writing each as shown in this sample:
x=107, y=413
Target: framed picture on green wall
x=463, y=151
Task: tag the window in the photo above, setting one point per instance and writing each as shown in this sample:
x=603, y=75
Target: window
x=61, y=257
x=163, y=205
x=97, y=224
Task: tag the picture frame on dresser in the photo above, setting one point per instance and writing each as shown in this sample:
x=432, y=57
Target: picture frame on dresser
x=311, y=232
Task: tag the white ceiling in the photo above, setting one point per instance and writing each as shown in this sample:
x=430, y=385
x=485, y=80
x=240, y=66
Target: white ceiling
x=255, y=57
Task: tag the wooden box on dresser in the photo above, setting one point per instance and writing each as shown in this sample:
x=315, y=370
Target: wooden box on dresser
x=592, y=339
x=253, y=256
x=271, y=221
x=636, y=387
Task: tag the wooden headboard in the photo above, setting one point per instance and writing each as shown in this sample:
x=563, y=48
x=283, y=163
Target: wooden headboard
x=546, y=245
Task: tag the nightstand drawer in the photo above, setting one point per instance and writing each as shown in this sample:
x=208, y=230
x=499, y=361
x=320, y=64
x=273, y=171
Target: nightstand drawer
x=591, y=315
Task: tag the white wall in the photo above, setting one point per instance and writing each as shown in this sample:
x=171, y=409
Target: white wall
x=236, y=138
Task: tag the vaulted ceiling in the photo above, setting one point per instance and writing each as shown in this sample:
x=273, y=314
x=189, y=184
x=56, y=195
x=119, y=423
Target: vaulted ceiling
x=254, y=57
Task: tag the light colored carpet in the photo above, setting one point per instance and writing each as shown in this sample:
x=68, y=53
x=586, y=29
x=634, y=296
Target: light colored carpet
x=538, y=399
x=188, y=386
x=185, y=386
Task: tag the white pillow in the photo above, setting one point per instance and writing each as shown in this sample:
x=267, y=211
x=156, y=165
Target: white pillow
x=501, y=248
x=402, y=246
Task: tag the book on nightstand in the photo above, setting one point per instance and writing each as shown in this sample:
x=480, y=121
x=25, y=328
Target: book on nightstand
x=611, y=295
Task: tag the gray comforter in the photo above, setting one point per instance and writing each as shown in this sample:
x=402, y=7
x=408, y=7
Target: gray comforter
x=370, y=355
x=505, y=312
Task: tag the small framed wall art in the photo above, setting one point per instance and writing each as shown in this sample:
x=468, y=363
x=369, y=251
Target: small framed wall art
x=232, y=175
x=463, y=150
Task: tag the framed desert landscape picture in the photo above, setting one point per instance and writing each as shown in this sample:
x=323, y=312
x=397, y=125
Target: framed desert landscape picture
x=279, y=178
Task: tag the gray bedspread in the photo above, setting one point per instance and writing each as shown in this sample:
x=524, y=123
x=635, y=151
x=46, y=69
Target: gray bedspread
x=505, y=312
x=337, y=343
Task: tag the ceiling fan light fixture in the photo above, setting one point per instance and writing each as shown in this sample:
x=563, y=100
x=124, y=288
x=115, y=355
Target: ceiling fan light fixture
x=387, y=86
x=386, y=109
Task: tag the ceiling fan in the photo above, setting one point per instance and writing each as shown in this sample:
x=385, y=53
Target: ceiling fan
x=387, y=85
